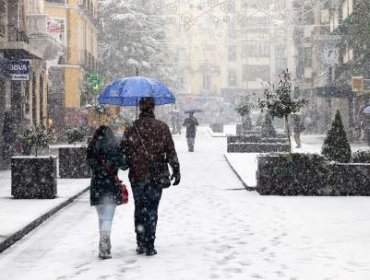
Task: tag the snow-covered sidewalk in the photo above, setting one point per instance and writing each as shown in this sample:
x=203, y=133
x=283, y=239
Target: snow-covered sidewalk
x=18, y=216
x=209, y=228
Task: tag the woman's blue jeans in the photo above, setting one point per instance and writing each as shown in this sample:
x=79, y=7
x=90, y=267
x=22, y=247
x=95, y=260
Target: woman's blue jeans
x=105, y=214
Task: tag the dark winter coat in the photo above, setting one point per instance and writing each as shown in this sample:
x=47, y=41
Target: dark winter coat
x=158, y=141
x=191, y=126
x=297, y=124
x=102, y=188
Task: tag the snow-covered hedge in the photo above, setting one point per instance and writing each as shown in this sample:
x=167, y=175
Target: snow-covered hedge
x=310, y=174
x=290, y=174
x=255, y=139
x=256, y=144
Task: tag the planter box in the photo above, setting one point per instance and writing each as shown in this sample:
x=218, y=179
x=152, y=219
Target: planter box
x=258, y=147
x=240, y=131
x=255, y=138
x=34, y=177
x=254, y=143
x=72, y=162
x=349, y=179
x=303, y=174
x=217, y=127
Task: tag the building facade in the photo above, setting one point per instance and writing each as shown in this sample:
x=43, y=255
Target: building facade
x=25, y=45
x=330, y=42
x=256, y=45
x=74, y=24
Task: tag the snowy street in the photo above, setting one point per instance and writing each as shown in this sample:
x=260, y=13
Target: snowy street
x=209, y=227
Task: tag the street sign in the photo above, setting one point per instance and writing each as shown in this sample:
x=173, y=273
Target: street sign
x=358, y=84
x=19, y=70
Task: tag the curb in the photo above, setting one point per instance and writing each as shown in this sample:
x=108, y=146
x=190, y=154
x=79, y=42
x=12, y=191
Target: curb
x=215, y=135
x=35, y=223
x=251, y=189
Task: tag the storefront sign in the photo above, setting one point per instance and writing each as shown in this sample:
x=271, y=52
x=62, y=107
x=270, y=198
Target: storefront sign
x=19, y=70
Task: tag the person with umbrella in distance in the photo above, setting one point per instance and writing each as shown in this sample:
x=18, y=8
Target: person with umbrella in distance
x=146, y=142
x=191, y=124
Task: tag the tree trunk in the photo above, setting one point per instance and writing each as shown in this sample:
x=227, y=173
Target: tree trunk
x=287, y=129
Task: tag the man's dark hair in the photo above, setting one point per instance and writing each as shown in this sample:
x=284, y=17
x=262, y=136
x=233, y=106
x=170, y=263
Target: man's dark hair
x=146, y=104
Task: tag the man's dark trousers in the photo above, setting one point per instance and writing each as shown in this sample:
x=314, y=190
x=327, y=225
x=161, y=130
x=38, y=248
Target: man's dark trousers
x=147, y=197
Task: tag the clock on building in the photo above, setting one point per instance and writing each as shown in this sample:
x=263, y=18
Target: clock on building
x=330, y=55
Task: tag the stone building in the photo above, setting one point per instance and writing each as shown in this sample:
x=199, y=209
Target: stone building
x=25, y=45
x=74, y=24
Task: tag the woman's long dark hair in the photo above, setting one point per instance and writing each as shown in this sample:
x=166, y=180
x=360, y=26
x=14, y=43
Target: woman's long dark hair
x=102, y=141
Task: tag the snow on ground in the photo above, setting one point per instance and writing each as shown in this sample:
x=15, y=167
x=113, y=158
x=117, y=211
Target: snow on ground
x=17, y=213
x=208, y=229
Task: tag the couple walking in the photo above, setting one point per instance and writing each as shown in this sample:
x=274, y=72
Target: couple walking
x=147, y=141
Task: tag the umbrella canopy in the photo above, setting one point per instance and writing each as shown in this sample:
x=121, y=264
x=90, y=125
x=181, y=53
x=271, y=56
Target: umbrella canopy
x=366, y=110
x=128, y=91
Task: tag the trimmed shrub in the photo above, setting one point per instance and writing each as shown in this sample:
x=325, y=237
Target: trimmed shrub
x=336, y=146
x=76, y=134
x=305, y=174
x=291, y=174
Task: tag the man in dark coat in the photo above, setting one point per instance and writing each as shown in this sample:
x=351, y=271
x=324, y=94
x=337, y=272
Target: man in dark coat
x=148, y=140
x=191, y=124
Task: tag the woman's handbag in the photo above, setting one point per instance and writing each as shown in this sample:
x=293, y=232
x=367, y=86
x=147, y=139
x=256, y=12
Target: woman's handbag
x=114, y=178
x=159, y=171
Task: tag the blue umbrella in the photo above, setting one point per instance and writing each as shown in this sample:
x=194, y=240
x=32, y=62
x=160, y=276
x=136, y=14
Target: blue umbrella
x=128, y=91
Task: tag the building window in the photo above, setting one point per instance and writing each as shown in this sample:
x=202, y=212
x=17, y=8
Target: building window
x=206, y=81
x=256, y=72
x=232, y=78
x=258, y=49
x=307, y=57
x=232, y=53
x=2, y=18
x=56, y=27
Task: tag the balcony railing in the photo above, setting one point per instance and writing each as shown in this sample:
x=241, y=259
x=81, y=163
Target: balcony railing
x=36, y=24
x=16, y=35
x=65, y=58
x=56, y=1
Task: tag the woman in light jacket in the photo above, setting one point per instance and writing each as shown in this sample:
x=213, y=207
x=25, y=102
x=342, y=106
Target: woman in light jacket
x=104, y=193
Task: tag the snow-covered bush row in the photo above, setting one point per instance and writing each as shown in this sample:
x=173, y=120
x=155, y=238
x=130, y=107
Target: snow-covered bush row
x=255, y=139
x=256, y=144
x=310, y=174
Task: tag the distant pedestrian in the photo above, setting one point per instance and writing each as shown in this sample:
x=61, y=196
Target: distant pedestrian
x=150, y=148
x=191, y=124
x=308, y=124
x=103, y=154
x=298, y=127
x=175, y=122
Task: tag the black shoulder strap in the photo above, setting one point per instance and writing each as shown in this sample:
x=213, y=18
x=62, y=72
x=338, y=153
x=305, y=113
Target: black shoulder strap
x=150, y=158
